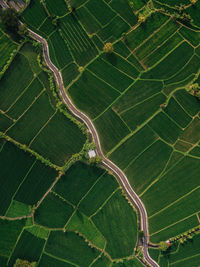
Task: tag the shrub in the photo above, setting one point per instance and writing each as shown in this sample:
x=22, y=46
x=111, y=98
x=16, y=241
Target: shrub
x=24, y=263
x=108, y=48
x=163, y=246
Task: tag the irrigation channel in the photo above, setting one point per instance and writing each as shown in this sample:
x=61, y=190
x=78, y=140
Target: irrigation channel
x=109, y=165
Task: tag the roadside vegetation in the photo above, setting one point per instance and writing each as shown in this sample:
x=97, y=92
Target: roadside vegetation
x=133, y=68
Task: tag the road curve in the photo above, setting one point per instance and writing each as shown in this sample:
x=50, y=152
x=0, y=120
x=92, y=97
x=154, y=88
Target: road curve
x=121, y=177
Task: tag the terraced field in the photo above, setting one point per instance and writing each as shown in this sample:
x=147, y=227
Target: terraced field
x=148, y=123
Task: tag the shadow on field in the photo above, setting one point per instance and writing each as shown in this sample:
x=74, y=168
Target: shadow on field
x=111, y=58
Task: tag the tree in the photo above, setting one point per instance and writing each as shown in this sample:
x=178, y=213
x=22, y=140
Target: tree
x=141, y=18
x=95, y=160
x=194, y=90
x=163, y=246
x=108, y=48
x=141, y=234
x=22, y=30
x=24, y=263
x=9, y=18
x=193, y=2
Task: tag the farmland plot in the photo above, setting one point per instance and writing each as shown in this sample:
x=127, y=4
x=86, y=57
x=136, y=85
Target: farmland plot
x=147, y=122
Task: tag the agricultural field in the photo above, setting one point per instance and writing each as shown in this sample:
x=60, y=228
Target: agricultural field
x=137, y=98
x=186, y=254
x=19, y=106
x=47, y=196
x=57, y=224
x=143, y=99
x=151, y=128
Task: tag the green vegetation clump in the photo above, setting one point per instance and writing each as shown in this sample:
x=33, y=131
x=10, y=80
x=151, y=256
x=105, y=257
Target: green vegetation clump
x=24, y=263
x=9, y=17
x=108, y=48
x=163, y=246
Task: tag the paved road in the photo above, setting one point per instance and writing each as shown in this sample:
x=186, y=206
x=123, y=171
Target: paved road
x=4, y=4
x=122, y=179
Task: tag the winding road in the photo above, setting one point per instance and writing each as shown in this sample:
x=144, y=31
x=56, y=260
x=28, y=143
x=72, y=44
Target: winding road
x=109, y=165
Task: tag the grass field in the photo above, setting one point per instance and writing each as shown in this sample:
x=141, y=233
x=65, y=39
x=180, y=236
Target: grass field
x=100, y=191
x=133, y=146
x=71, y=187
x=175, y=229
x=147, y=122
x=137, y=93
x=190, y=68
x=9, y=93
x=6, y=48
x=70, y=247
x=21, y=104
x=14, y=164
x=113, y=131
x=137, y=36
x=103, y=14
x=89, y=22
x=37, y=181
x=116, y=27
x=139, y=113
x=79, y=43
x=110, y=75
x=167, y=68
x=184, y=255
x=123, y=8
x=28, y=246
x=177, y=113
x=113, y=229
x=18, y=209
x=5, y=122
x=48, y=261
x=63, y=146
x=134, y=262
x=190, y=104
x=156, y=40
x=54, y=212
x=102, y=261
x=35, y=14
x=92, y=94
x=148, y=129
x=165, y=127
x=80, y=223
x=141, y=171
x=10, y=231
x=38, y=231
x=58, y=9
x=161, y=51
x=122, y=65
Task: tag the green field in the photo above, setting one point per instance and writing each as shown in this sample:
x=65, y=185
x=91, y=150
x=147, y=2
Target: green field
x=70, y=247
x=92, y=94
x=58, y=209
x=70, y=185
x=113, y=131
x=48, y=261
x=14, y=164
x=100, y=191
x=6, y=48
x=112, y=222
x=183, y=255
x=10, y=230
x=27, y=246
x=21, y=104
x=54, y=212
